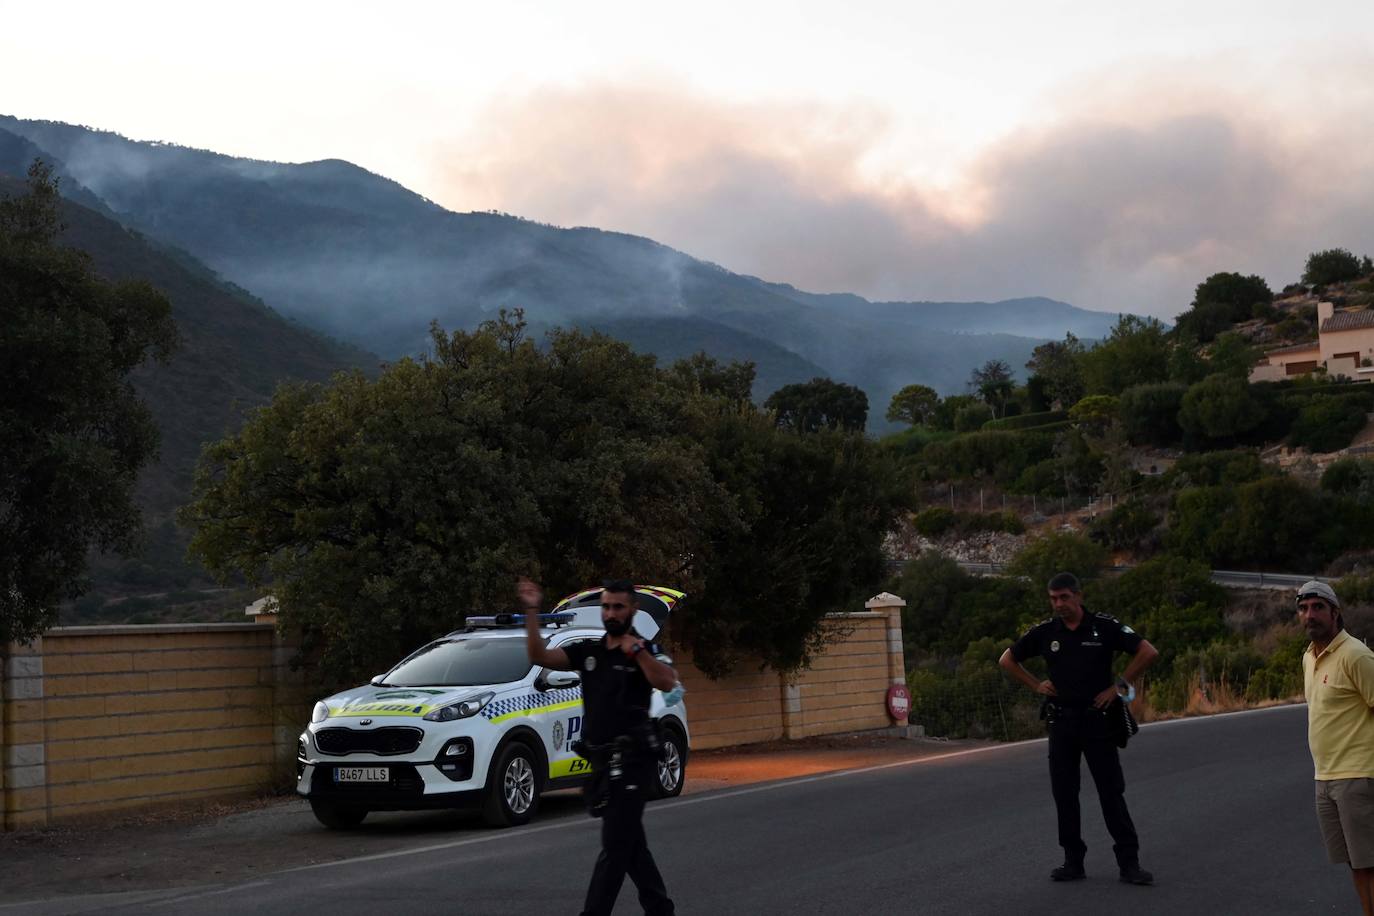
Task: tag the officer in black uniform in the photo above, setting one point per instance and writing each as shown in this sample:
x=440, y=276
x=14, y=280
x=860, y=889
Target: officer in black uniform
x=619, y=673
x=1078, y=645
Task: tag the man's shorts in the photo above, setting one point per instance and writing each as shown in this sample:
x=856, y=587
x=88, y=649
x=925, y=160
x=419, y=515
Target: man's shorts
x=1345, y=812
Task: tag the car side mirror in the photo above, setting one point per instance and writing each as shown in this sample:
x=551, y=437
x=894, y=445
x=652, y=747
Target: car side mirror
x=559, y=680
x=378, y=680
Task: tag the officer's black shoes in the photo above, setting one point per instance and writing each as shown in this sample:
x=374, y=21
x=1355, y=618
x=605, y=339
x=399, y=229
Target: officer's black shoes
x=1134, y=874
x=1069, y=871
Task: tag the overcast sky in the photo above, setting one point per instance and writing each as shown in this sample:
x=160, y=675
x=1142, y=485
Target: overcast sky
x=1105, y=153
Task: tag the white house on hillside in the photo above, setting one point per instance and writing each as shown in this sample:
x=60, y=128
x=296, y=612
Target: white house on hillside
x=1344, y=346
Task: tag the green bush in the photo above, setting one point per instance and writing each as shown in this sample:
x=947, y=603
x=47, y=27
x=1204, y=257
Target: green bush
x=996, y=454
x=1295, y=329
x=938, y=521
x=1061, y=551
x=1220, y=408
x=1149, y=413
x=967, y=419
x=934, y=522
x=1334, y=265
x=1212, y=469
x=1125, y=526
x=1327, y=424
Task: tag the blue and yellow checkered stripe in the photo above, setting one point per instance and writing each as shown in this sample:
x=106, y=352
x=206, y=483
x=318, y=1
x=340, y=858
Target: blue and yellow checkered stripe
x=531, y=703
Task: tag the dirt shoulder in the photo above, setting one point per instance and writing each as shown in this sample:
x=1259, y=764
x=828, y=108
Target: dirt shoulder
x=223, y=842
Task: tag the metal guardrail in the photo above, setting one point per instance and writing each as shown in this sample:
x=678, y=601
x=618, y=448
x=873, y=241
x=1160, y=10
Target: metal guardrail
x=1228, y=578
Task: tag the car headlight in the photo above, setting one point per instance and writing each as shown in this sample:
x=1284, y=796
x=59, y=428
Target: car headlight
x=320, y=713
x=460, y=710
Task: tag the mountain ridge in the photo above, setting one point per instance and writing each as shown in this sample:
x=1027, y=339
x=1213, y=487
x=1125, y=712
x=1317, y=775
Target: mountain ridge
x=364, y=259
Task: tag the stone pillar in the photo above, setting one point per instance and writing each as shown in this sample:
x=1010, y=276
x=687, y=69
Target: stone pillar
x=890, y=606
x=791, y=707
x=290, y=704
x=23, y=783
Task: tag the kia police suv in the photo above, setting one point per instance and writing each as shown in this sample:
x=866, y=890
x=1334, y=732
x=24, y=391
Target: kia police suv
x=466, y=721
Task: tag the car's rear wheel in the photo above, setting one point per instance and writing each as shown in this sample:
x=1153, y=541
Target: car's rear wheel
x=512, y=787
x=336, y=816
x=672, y=766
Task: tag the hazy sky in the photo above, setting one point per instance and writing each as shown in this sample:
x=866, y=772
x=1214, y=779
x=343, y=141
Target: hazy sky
x=1105, y=153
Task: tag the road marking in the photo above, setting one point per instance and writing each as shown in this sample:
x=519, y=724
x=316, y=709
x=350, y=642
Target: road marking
x=521, y=832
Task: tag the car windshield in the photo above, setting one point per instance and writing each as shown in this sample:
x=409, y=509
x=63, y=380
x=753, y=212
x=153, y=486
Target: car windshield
x=463, y=663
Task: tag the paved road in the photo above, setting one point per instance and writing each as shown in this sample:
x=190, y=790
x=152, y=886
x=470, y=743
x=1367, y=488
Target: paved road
x=1223, y=806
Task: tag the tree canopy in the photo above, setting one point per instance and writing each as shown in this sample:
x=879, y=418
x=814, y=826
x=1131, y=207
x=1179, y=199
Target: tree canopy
x=381, y=512
x=820, y=403
x=914, y=405
x=1055, y=364
x=73, y=434
x=1333, y=265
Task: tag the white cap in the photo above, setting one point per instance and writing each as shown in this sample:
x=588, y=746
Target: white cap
x=1315, y=589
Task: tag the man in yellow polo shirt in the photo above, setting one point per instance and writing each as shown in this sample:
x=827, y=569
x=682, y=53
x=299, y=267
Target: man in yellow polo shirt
x=1338, y=681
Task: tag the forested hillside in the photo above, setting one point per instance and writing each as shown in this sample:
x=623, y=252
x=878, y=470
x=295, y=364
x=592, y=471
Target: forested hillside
x=233, y=353
x=1154, y=452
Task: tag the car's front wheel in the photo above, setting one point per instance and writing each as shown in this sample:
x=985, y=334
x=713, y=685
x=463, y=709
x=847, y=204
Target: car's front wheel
x=336, y=816
x=512, y=787
x=672, y=766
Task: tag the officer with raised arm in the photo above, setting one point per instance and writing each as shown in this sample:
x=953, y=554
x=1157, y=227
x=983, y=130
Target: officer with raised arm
x=619, y=674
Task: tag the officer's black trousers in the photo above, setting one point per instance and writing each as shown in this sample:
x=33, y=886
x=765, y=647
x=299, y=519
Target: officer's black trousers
x=1083, y=733
x=625, y=851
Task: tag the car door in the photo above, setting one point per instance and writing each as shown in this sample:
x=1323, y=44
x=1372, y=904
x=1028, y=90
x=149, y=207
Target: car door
x=565, y=723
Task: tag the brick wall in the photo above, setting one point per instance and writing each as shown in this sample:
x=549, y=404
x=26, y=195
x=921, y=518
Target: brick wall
x=103, y=718
x=845, y=689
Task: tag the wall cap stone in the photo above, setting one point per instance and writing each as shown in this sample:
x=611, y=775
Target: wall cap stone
x=885, y=599
x=142, y=629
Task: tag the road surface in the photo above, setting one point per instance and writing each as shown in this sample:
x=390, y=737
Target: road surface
x=1223, y=806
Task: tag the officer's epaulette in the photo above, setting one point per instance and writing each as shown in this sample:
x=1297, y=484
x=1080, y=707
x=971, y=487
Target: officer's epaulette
x=1105, y=617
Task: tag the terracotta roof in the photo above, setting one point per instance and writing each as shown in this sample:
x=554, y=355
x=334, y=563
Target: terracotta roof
x=1349, y=321
x=1295, y=348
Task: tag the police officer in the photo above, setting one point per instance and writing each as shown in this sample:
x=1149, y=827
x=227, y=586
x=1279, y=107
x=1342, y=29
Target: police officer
x=1077, y=646
x=619, y=673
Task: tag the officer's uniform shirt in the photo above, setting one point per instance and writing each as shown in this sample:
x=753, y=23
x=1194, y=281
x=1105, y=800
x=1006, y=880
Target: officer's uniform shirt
x=1080, y=661
x=615, y=692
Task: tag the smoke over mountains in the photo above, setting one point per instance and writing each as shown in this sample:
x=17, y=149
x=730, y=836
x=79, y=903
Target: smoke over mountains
x=364, y=260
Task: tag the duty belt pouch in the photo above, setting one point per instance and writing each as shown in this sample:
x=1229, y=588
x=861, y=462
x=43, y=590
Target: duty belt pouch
x=596, y=792
x=1121, y=725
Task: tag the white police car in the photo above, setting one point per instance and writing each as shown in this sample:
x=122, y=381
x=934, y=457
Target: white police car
x=466, y=721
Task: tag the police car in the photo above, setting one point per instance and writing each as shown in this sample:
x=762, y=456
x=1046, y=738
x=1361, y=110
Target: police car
x=466, y=721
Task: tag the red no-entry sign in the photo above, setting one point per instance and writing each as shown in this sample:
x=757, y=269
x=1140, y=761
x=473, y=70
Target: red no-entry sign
x=898, y=702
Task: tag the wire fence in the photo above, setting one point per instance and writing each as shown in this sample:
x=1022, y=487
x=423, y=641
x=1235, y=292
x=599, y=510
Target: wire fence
x=984, y=705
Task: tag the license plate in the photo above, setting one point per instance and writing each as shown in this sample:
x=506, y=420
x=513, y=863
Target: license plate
x=361, y=774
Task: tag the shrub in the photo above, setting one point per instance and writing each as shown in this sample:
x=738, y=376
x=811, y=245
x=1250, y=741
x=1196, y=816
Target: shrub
x=1125, y=526
x=1334, y=265
x=1062, y=551
x=934, y=522
x=967, y=419
x=938, y=521
x=1327, y=424
x=1220, y=407
x=997, y=454
x=1294, y=329
x=1149, y=413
